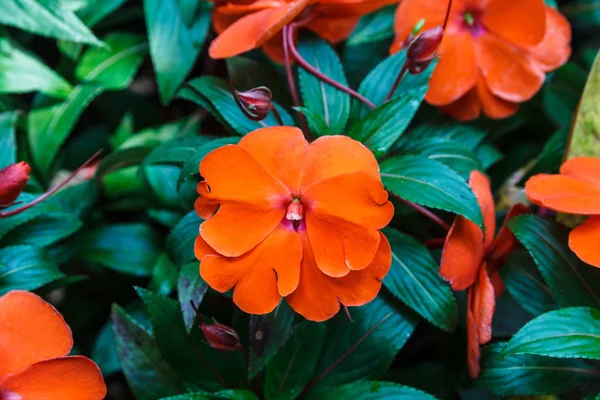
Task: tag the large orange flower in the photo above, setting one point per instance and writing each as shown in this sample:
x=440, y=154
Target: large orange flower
x=575, y=191
x=293, y=220
x=471, y=259
x=244, y=25
x=34, y=343
x=494, y=54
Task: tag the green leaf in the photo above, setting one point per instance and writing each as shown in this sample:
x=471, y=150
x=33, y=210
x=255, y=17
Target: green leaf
x=364, y=348
x=375, y=391
x=379, y=129
x=268, y=333
x=155, y=136
x=176, y=38
x=176, y=151
x=550, y=158
x=584, y=138
x=192, y=165
x=374, y=27
x=330, y=105
x=21, y=72
x=214, y=95
x=113, y=68
x=430, y=183
x=488, y=155
x=26, y=268
x=43, y=230
x=190, y=288
x=128, y=248
x=572, y=282
x=414, y=279
x=293, y=366
x=565, y=333
x=530, y=375
x=48, y=18
x=120, y=159
x=231, y=394
x=164, y=276
x=163, y=181
x=195, y=363
x=180, y=242
x=148, y=374
x=525, y=284
x=8, y=142
x=49, y=127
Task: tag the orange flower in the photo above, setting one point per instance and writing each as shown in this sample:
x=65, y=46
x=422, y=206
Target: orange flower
x=294, y=220
x=244, y=25
x=33, y=364
x=471, y=259
x=494, y=54
x=575, y=191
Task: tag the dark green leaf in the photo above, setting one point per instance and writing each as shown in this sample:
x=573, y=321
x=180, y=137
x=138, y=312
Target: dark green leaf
x=180, y=242
x=192, y=165
x=414, y=279
x=430, y=183
x=176, y=151
x=572, y=282
x=488, y=155
x=374, y=27
x=550, y=158
x=375, y=391
x=164, y=276
x=26, y=268
x=530, y=375
x=44, y=230
x=190, y=288
x=565, y=333
x=121, y=159
x=234, y=394
x=8, y=143
x=331, y=105
x=163, y=181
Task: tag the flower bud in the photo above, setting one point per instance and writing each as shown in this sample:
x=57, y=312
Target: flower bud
x=12, y=181
x=221, y=337
x=425, y=45
x=256, y=103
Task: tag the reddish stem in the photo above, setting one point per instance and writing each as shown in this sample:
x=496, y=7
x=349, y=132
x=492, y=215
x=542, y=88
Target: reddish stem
x=51, y=191
x=397, y=81
x=289, y=38
x=447, y=14
x=422, y=210
x=277, y=115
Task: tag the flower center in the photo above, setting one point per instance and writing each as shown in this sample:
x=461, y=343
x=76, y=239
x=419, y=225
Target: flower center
x=6, y=395
x=295, y=210
x=472, y=23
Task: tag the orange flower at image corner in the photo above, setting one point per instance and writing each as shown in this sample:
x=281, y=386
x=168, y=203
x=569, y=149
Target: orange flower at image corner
x=575, y=191
x=293, y=220
x=244, y=25
x=494, y=54
x=34, y=343
x=471, y=259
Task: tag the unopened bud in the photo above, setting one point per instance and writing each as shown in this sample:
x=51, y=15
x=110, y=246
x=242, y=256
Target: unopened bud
x=221, y=337
x=425, y=45
x=255, y=102
x=12, y=181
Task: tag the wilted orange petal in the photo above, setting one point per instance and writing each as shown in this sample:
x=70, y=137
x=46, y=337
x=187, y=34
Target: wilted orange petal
x=31, y=330
x=555, y=49
x=496, y=59
x=280, y=150
x=522, y=22
x=333, y=29
x=583, y=240
x=67, y=378
x=466, y=108
x=205, y=205
x=480, y=184
x=484, y=304
x=462, y=254
x=564, y=194
x=473, y=349
x=493, y=106
x=585, y=169
x=262, y=276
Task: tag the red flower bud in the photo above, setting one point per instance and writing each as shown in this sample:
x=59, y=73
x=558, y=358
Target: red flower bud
x=256, y=103
x=425, y=45
x=221, y=337
x=12, y=181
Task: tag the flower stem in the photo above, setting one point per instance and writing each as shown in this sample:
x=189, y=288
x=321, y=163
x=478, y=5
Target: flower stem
x=277, y=115
x=397, y=81
x=292, y=84
x=423, y=211
x=289, y=38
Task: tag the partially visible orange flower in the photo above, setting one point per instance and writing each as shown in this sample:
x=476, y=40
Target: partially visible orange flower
x=494, y=55
x=244, y=25
x=34, y=343
x=575, y=191
x=293, y=220
x=471, y=259
x=12, y=181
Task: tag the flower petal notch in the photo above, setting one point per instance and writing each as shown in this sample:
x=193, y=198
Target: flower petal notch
x=293, y=219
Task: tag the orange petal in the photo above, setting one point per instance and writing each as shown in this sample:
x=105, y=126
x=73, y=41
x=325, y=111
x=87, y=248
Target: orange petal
x=333, y=29
x=456, y=72
x=349, y=8
x=318, y=296
x=466, y=108
x=262, y=276
x=555, y=49
x=201, y=248
x=252, y=201
x=583, y=240
x=205, y=205
x=280, y=150
x=330, y=156
x=484, y=304
x=252, y=30
x=499, y=60
x=67, y=378
x=473, y=349
x=505, y=242
x=523, y=22
x=493, y=106
x=564, y=194
x=462, y=254
x=480, y=185
x=586, y=169
x=410, y=12
x=31, y=330
x=273, y=48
